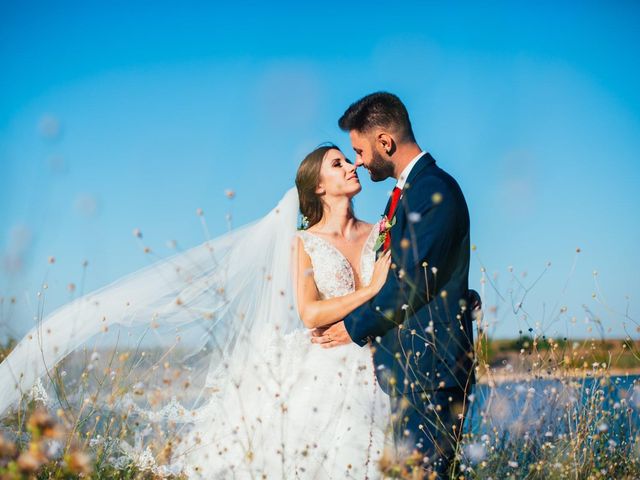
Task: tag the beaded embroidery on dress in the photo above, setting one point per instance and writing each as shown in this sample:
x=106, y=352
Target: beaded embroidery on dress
x=325, y=419
x=332, y=272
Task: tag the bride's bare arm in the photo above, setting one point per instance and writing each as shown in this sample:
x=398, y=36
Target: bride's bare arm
x=315, y=312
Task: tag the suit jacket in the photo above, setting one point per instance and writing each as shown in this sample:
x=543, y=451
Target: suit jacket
x=419, y=324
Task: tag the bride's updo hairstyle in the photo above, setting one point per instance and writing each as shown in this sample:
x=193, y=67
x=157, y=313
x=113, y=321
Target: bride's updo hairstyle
x=307, y=180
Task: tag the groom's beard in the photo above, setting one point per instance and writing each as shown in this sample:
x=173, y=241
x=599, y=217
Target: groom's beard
x=380, y=168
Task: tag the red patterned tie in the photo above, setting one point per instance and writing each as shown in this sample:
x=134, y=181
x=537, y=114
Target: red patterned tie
x=395, y=197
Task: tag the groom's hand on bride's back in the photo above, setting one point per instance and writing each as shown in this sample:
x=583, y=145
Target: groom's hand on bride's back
x=332, y=336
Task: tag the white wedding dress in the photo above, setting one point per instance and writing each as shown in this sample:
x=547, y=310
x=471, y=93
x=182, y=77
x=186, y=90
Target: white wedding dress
x=322, y=417
x=205, y=362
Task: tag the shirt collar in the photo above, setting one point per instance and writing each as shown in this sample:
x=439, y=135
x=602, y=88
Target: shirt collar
x=402, y=179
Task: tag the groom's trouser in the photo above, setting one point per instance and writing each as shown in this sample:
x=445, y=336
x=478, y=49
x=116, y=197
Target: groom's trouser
x=430, y=422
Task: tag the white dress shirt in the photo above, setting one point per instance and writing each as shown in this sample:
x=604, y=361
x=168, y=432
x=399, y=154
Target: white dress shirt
x=402, y=179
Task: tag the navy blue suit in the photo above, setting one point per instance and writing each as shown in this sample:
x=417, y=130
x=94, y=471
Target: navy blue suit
x=419, y=324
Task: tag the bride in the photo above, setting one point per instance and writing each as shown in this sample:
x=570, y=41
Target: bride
x=214, y=352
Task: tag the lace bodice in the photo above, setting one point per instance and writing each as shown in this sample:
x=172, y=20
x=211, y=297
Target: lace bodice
x=332, y=272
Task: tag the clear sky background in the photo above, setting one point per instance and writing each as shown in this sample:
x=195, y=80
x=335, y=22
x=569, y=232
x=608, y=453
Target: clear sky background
x=122, y=115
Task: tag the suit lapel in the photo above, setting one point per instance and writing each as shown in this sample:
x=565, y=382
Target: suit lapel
x=423, y=162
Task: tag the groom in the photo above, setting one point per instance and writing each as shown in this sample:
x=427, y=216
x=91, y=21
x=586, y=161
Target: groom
x=420, y=322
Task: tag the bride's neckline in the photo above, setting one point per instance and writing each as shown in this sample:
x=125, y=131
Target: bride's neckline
x=344, y=257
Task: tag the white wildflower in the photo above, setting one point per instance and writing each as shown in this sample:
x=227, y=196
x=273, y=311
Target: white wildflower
x=414, y=217
x=38, y=393
x=476, y=452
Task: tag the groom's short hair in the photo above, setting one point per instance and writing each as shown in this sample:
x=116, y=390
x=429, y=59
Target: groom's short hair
x=380, y=109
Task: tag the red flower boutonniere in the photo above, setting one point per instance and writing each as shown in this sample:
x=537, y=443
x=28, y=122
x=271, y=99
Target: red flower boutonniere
x=384, y=225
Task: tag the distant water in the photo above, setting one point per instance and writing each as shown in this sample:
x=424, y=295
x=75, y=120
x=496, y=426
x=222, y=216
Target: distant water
x=544, y=407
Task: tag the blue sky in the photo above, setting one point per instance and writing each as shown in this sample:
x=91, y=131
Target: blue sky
x=123, y=116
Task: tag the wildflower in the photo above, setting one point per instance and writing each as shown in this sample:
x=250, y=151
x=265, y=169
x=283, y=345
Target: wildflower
x=476, y=452
x=414, y=217
x=40, y=423
x=52, y=260
x=30, y=461
x=137, y=233
x=37, y=393
x=436, y=198
x=512, y=464
x=53, y=449
x=7, y=448
x=229, y=194
x=79, y=462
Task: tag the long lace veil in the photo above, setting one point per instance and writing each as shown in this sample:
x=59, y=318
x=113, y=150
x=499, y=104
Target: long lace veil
x=167, y=337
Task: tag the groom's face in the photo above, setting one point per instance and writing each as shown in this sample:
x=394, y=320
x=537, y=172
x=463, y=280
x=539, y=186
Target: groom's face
x=367, y=155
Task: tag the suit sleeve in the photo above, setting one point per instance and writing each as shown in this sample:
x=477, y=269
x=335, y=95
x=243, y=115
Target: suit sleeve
x=411, y=285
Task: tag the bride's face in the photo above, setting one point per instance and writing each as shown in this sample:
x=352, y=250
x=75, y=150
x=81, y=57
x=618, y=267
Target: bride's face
x=338, y=176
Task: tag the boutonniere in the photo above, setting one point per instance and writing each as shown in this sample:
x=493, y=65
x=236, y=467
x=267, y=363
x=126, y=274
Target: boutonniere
x=384, y=225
